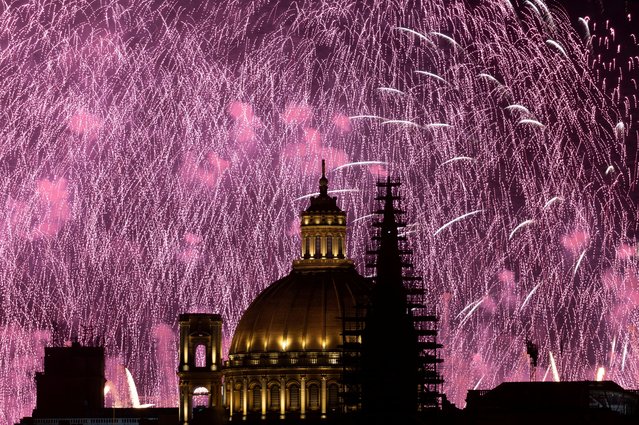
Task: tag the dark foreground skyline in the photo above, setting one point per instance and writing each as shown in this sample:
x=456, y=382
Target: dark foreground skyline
x=154, y=155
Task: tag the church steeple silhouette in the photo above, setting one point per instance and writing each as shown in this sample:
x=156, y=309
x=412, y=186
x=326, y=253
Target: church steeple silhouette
x=395, y=386
x=389, y=263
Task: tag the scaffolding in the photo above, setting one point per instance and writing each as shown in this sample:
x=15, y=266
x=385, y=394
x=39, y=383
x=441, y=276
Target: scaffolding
x=424, y=319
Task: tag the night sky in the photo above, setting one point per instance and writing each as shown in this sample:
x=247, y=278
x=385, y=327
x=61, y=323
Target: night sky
x=154, y=156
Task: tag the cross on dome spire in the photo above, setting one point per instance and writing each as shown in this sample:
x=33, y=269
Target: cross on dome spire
x=323, y=180
x=323, y=202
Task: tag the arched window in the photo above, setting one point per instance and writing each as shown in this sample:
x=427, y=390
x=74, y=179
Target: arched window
x=294, y=394
x=313, y=397
x=257, y=397
x=333, y=396
x=275, y=397
x=239, y=397
x=340, y=250
x=200, y=397
x=329, y=247
x=200, y=356
x=318, y=247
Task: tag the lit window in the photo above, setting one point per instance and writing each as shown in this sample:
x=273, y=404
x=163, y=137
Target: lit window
x=257, y=397
x=294, y=394
x=200, y=356
x=313, y=397
x=275, y=397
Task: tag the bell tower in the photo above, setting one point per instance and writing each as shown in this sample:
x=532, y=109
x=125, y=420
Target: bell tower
x=200, y=361
x=323, y=232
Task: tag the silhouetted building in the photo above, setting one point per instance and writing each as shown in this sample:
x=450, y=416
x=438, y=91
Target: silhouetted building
x=72, y=383
x=398, y=350
x=70, y=391
x=579, y=402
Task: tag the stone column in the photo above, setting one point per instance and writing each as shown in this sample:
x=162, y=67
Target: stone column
x=282, y=397
x=303, y=398
x=323, y=396
x=263, y=395
x=185, y=405
x=223, y=396
x=244, y=398
x=184, y=344
x=231, y=399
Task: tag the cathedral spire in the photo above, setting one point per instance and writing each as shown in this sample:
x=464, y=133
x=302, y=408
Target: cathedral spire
x=389, y=256
x=397, y=317
x=323, y=231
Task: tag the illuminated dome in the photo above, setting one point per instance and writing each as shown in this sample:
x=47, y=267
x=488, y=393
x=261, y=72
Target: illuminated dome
x=286, y=356
x=300, y=312
x=303, y=311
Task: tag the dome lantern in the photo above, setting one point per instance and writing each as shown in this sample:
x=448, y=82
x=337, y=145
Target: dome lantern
x=323, y=232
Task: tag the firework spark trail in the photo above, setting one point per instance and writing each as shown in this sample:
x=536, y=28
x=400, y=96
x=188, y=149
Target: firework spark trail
x=555, y=372
x=430, y=74
x=552, y=201
x=457, y=158
x=150, y=152
x=530, y=294
x=471, y=311
x=307, y=196
x=455, y=220
x=519, y=226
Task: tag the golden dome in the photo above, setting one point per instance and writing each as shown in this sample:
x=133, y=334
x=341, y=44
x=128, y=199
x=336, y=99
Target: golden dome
x=301, y=312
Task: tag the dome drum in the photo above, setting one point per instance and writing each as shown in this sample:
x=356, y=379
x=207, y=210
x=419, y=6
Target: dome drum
x=287, y=396
x=301, y=359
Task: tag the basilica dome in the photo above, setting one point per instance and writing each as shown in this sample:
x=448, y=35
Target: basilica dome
x=304, y=310
x=287, y=355
x=300, y=312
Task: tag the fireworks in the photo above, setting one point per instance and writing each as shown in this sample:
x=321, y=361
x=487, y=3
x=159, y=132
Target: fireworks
x=155, y=155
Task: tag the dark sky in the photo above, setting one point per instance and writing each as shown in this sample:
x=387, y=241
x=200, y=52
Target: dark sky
x=623, y=16
x=610, y=8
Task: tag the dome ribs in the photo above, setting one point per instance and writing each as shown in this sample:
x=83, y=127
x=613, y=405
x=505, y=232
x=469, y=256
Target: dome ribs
x=305, y=306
